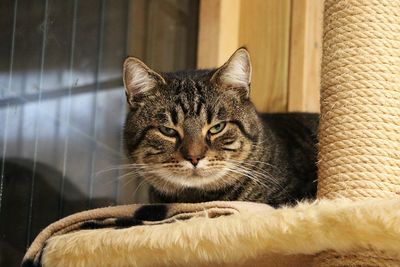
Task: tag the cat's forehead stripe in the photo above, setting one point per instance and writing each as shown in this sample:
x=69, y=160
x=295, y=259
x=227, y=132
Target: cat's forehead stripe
x=196, y=104
x=209, y=115
x=199, y=107
x=181, y=102
x=174, y=116
x=222, y=113
x=189, y=97
x=162, y=117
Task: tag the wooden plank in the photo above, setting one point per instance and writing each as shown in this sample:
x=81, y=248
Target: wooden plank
x=305, y=55
x=229, y=31
x=218, y=31
x=163, y=33
x=264, y=30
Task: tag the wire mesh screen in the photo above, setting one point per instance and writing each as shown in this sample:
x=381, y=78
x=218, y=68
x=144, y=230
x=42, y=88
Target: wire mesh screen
x=62, y=104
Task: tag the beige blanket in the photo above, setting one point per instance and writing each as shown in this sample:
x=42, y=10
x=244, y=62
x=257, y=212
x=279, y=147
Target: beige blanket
x=217, y=234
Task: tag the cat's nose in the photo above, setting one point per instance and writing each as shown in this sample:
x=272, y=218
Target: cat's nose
x=194, y=153
x=193, y=149
x=194, y=159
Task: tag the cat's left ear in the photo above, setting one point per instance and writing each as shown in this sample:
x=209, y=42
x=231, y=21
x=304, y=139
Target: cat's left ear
x=235, y=73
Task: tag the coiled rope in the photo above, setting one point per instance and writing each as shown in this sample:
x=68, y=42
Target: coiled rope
x=359, y=135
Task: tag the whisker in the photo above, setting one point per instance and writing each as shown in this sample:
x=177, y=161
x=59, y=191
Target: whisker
x=264, y=176
x=248, y=176
x=120, y=177
x=128, y=181
x=120, y=167
x=248, y=162
x=270, y=179
x=137, y=188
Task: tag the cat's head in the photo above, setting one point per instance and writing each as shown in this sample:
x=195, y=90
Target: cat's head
x=190, y=129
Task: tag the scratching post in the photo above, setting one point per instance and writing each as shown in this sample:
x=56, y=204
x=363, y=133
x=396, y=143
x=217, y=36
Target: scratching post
x=359, y=131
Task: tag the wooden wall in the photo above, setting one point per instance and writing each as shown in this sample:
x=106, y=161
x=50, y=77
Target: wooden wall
x=305, y=55
x=284, y=40
x=163, y=33
x=218, y=31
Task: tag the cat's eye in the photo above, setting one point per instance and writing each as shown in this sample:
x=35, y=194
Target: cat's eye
x=168, y=131
x=217, y=128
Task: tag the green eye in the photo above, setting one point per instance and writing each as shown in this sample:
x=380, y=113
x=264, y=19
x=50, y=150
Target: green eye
x=217, y=128
x=167, y=131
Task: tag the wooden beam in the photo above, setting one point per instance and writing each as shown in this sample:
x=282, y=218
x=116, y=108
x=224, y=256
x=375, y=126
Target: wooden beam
x=305, y=55
x=218, y=31
x=264, y=30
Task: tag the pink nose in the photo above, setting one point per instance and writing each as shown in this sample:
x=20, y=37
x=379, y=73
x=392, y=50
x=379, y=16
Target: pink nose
x=194, y=159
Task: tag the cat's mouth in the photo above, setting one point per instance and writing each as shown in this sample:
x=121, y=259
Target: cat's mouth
x=196, y=173
x=193, y=177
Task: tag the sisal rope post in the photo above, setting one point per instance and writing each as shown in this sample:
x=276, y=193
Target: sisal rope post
x=359, y=135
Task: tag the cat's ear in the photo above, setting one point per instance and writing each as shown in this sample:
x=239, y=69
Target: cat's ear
x=138, y=78
x=235, y=73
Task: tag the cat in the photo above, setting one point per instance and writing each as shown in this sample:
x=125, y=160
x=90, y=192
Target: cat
x=195, y=136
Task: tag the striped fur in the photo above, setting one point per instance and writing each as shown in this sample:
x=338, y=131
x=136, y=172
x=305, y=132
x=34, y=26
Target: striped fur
x=269, y=158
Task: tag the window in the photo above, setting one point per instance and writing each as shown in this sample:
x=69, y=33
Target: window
x=62, y=103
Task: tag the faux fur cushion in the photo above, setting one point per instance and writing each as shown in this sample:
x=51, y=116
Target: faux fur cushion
x=248, y=234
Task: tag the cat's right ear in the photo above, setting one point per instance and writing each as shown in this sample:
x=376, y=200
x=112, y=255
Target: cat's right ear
x=138, y=78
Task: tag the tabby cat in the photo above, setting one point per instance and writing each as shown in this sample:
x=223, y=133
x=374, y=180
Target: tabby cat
x=195, y=136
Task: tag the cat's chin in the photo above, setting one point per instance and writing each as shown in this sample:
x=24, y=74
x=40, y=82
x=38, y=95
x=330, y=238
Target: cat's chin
x=194, y=180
